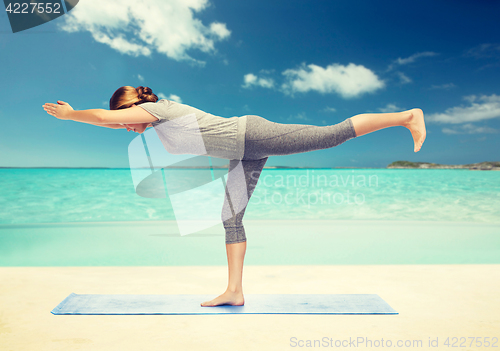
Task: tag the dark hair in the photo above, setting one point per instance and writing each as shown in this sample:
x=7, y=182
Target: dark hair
x=125, y=96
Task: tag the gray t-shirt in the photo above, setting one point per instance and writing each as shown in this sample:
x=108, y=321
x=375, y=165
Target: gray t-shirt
x=187, y=130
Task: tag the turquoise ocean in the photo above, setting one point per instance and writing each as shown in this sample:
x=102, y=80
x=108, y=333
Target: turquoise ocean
x=64, y=217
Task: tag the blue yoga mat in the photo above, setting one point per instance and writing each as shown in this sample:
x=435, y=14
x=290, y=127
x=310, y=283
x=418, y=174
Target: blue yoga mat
x=254, y=304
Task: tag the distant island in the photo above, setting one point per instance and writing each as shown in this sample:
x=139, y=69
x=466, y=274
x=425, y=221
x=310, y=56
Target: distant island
x=481, y=166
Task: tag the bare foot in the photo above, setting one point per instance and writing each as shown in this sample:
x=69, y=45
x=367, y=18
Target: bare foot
x=416, y=125
x=228, y=298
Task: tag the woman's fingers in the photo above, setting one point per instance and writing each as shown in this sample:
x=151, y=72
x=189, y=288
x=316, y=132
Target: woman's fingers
x=47, y=108
x=50, y=108
x=59, y=110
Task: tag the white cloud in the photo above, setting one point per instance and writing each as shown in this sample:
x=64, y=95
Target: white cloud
x=137, y=27
x=329, y=109
x=469, y=129
x=348, y=81
x=251, y=79
x=299, y=116
x=390, y=108
x=141, y=78
x=120, y=44
x=266, y=71
x=480, y=108
x=220, y=30
x=404, y=61
x=486, y=50
x=175, y=98
x=172, y=97
x=443, y=86
x=412, y=58
x=404, y=78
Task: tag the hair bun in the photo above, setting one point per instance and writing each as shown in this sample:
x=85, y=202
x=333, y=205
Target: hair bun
x=125, y=96
x=146, y=94
x=143, y=90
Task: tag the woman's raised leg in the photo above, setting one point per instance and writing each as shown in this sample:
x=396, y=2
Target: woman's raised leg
x=265, y=138
x=411, y=119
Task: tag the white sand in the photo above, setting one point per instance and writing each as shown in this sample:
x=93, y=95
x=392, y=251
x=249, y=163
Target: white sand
x=433, y=301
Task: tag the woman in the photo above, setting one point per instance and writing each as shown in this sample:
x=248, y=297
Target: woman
x=248, y=140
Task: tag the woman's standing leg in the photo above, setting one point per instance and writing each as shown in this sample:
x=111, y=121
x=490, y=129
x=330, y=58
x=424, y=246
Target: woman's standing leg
x=241, y=182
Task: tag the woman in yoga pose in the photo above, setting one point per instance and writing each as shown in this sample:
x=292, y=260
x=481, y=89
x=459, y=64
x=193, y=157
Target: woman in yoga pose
x=247, y=140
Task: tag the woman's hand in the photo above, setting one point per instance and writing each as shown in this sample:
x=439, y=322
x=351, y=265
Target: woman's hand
x=60, y=110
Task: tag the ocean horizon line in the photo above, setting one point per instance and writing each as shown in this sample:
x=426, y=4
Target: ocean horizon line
x=206, y=167
x=485, y=165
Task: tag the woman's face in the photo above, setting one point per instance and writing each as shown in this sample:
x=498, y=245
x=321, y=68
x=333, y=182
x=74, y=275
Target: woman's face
x=137, y=127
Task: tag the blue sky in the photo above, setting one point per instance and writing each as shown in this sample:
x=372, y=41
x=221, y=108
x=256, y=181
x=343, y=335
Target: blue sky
x=304, y=62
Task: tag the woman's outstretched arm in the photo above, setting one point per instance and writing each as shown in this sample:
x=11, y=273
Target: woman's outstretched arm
x=112, y=126
x=131, y=115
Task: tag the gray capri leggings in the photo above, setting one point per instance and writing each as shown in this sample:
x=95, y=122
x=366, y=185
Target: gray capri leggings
x=264, y=138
